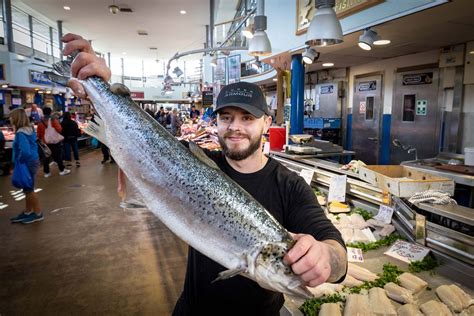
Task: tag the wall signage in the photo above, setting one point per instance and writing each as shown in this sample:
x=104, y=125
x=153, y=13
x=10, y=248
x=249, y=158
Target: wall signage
x=233, y=68
x=367, y=85
x=326, y=89
x=417, y=79
x=220, y=71
x=137, y=95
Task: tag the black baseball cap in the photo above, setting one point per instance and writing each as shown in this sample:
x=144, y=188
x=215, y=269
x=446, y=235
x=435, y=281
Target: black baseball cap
x=243, y=95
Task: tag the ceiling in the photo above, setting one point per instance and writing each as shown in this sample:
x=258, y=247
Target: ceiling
x=168, y=30
x=444, y=25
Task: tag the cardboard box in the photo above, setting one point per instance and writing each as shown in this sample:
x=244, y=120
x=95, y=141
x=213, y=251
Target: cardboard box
x=403, y=181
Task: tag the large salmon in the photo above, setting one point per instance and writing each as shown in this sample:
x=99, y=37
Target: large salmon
x=191, y=195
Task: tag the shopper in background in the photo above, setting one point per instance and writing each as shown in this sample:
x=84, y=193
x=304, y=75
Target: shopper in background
x=34, y=113
x=25, y=153
x=175, y=123
x=318, y=254
x=160, y=115
x=56, y=147
x=70, y=131
x=194, y=114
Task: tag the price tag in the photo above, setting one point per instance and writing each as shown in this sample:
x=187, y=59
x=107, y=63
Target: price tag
x=266, y=148
x=307, y=175
x=337, y=189
x=354, y=255
x=407, y=252
x=385, y=214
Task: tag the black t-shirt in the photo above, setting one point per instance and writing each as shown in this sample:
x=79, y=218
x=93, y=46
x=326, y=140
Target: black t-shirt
x=292, y=202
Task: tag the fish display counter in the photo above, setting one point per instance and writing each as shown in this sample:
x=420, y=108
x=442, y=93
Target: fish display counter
x=445, y=231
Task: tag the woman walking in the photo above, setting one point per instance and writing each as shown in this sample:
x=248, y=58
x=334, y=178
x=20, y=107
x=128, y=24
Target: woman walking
x=70, y=132
x=25, y=155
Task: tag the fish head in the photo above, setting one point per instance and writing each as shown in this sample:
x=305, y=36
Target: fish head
x=270, y=272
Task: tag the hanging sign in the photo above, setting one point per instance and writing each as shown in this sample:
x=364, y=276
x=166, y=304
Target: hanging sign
x=137, y=95
x=368, y=85
x=207, y=97
x=417, y=79
x=37, y=77
x=326, y=89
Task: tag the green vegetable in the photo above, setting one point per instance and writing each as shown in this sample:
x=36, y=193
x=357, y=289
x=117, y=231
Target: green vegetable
x=312, y=306
x=386, y=241
x=428, y=263
x=364, y=213
x=390, y=274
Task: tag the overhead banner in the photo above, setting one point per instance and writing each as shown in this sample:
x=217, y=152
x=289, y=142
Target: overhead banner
x=233, y=63
x=37, y=77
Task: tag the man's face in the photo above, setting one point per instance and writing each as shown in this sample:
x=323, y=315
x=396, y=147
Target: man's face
x=240, y=133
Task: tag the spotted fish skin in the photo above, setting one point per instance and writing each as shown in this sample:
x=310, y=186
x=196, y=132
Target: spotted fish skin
x=199, y=203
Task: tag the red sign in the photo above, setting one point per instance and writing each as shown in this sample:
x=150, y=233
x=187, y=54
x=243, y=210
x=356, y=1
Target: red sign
x=137, y=95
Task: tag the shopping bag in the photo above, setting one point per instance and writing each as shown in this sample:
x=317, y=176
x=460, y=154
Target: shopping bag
x=43, y=149
x=21, y=178
x=94, y=142
x=51, y=136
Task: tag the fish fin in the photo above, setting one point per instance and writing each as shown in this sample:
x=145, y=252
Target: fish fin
x=59, y=79
x=63, y=68
x=227, y=274
x=120, y=89
x=199, y=153
x=96, y=129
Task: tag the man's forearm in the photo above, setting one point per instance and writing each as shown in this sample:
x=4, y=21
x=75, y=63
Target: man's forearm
x=338, y=260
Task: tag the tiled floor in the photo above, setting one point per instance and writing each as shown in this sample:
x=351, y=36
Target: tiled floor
x=89, y=256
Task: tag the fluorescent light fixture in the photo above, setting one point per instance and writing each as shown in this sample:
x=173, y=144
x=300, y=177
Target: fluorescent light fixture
x=4, y=85
x=67, y=8
x=124, y=53
x=310, y=55
x=40, y=92
x=260, y=44
x=328, y=64
x=275, y=79
x=48, y=92
x=182, y=12
x=366, y=40
x=471, y=52
x=381, y=42
x=325, y=28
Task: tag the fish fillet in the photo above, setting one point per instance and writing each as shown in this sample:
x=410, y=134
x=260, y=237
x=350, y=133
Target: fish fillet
x=360, y=273
x=398, y=293
x=350, y=281
x=357, y=305
x=463, y=296
x=325, y=289
x=330, y=309
x=380, y=305
x=450, y=297
x=435, y=308
x=412, y=282
x=409, y=310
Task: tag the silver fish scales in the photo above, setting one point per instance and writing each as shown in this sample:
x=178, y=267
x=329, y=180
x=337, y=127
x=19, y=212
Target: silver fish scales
x=195, y=200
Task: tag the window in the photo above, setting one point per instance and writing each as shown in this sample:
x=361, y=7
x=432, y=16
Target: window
x=369, y=108
x=409, y=108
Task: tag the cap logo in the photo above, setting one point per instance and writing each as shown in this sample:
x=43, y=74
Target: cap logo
x=239, y=92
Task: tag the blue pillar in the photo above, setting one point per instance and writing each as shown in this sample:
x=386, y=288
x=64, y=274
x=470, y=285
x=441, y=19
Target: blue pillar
x=297, y=95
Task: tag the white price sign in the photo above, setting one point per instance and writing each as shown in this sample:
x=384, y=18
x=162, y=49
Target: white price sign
x=385, y=214
x=307, y=175
x=266, y=148
x=354, y=255
x=337, y=189
x=407, y=251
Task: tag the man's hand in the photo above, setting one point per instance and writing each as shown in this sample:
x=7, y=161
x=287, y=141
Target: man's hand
x=86, y=63
x=316, y=262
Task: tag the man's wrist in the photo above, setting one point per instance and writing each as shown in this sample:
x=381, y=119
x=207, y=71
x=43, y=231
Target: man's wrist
x=337, y=260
